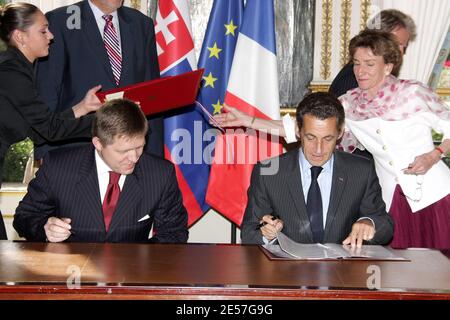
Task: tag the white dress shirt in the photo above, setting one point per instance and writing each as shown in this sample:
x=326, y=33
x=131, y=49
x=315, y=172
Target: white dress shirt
x=103, y=176
x=98, y=14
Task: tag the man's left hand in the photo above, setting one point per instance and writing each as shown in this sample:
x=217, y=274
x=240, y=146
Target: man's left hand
x=361, y=230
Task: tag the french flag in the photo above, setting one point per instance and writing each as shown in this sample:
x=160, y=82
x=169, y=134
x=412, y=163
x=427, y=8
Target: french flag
x=252, y=88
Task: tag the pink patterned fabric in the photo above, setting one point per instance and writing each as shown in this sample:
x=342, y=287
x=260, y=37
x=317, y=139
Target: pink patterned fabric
x=396, y=100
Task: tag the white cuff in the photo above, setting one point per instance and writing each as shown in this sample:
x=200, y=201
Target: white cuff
x=289, y=128
x=373, y=223
x=266, y=241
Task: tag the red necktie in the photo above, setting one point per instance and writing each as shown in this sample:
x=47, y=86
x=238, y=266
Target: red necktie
x=111, y=41
x=111, y=198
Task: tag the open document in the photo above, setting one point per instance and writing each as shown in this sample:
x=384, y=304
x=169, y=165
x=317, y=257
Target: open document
x=288, y=249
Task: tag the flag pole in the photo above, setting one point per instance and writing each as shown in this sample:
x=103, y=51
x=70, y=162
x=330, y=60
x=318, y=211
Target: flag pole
x=233, y=233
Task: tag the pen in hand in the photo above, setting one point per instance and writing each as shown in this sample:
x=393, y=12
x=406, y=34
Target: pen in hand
x=262, y=224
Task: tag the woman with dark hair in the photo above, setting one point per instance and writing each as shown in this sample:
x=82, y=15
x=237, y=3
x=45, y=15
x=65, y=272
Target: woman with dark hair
x=24, y=29
x=392, y=119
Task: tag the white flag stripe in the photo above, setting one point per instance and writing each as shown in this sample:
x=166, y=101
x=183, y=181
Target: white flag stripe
x=183, y=8
x=253, y=76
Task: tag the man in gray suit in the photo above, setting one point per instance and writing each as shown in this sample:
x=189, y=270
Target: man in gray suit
x=109, y=191
x=319, y=194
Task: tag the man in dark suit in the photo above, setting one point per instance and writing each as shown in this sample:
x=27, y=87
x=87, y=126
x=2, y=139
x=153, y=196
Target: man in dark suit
x=108, y=192
x=78, y=58
x=318, y=194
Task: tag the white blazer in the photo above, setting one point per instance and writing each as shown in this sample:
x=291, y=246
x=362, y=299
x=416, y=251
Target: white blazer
x=394, y=145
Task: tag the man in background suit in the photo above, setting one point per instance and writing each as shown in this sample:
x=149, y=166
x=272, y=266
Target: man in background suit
x=318, y=194
x=108, y=192
x=78, y=57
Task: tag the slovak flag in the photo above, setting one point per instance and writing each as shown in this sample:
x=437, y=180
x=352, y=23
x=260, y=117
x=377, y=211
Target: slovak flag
x=184, y=128
x=252, y=88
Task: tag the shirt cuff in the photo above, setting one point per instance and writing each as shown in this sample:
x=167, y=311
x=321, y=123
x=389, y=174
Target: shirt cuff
x=266, y=241
x=373, y=223
x=289, y=128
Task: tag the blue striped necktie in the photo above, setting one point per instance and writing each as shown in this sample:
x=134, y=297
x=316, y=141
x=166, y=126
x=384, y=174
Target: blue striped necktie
x=111, y=41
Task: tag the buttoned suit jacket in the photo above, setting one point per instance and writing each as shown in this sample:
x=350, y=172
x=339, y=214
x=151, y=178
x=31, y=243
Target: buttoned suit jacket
x=355, y=193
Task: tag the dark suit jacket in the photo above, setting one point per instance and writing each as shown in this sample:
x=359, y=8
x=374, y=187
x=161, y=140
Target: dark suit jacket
x=67, y=186
x=22, y=112
x=78, y=60
x=344, y=81
x=355, y=192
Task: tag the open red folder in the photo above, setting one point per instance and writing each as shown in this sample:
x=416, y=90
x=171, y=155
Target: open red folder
x=159, y=95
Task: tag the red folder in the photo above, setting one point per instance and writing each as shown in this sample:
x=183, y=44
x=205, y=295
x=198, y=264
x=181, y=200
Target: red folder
x=159, y=95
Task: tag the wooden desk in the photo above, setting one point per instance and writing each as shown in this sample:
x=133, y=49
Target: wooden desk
x=202, y=271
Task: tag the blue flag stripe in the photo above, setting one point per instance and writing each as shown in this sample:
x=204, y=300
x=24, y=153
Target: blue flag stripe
x=252, y=27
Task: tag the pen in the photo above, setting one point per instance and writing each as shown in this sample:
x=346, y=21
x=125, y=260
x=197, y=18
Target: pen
x=275, y=217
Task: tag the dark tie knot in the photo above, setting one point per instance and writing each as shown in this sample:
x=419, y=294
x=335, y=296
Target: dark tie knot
x=107, y=17
x=315, y=171
x=114, y=177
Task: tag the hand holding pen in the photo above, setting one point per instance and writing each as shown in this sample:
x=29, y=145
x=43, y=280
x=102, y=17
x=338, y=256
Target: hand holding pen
x=269, y=226
x=58, y=229
x=262, y=224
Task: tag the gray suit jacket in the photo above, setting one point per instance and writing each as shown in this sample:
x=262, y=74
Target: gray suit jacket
x=355, y=193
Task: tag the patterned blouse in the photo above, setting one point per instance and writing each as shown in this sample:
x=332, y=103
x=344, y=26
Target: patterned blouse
x=396, y=100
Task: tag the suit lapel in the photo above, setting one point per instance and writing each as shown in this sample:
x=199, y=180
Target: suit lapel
x=130, y=197
x=88, y=189
x=337, y=188
x=294, y=182
x=127, y=45
x=95, y=39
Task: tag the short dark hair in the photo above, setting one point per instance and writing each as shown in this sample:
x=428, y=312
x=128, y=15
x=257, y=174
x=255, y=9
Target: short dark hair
x=321, y=105
x=391, y=19
x=16, y=16
x=382, y=44
x=119, y=118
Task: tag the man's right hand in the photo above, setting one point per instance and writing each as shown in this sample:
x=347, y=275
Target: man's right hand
x=57, y=230
x=269, y=231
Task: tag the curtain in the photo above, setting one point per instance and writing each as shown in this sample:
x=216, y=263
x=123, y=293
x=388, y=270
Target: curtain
x=432, y=18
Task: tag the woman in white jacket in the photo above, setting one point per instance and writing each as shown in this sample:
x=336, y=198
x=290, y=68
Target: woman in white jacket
x=392, y=119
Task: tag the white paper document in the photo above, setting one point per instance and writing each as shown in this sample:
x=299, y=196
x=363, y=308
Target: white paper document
x=291, y=250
